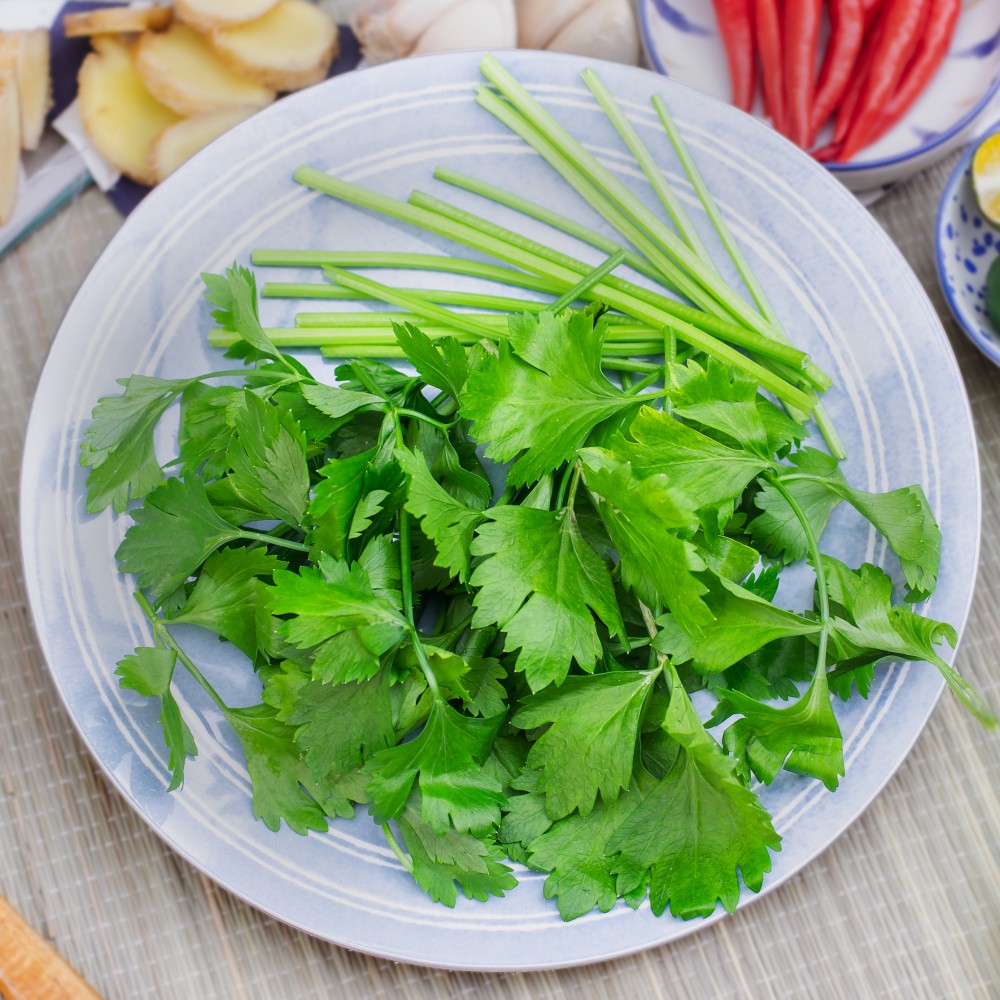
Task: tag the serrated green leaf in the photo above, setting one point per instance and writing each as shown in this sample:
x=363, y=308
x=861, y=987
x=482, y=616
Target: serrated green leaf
x=721, y=399
x=336, y=401
x=442, y=861
x=868, y=626
x=691, y=835
x=540, y=582
x=726, y=556
x=334, y=500
x=337, y=726
x=449, y=524
x=149, y=671
x=702, y=470
x=742, y=624
x=575, y=851
x=772, y=672
x=453, y=462
x=224, y=597
x=441, y=362
x=481, y=688
x=644, y=518
x=277, y=771
x=804, y=737
x=118, y=444
x=234, y=295
x=539, y=405
x=268, y=462
x=590, y=744
x=205, y=429
x=368, y=508
x=336, y=615
x=445, y=761
x=175, y=531
x=695, y=829
x=380, y=561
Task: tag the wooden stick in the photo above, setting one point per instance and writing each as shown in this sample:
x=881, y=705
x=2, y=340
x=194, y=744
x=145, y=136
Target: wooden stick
x=30, y=968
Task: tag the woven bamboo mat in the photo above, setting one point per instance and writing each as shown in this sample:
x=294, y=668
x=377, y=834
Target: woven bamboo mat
x=905, y=904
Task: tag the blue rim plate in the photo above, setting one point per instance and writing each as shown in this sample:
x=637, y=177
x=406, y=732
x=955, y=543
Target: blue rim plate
x=965, y=245
x=839, y=285
x=681, y=40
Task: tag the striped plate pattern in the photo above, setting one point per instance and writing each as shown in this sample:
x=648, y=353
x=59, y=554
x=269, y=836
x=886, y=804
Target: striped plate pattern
x=840, y=287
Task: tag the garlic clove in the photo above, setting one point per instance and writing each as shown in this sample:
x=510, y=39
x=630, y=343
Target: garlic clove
x=390, y=29
x=472, y=24
x=605, y=30
x=539, y=21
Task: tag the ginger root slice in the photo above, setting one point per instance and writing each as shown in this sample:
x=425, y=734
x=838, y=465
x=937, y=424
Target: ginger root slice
x=182, y=71
x=116, y=21
x=10, y=145
x=290, y=47
x=26, y=54
x=207, y=15
x=119, y=113
x=177, y=143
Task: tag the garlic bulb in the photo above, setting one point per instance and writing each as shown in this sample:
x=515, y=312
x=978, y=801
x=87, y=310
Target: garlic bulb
x=601, y=29
x=390, y=29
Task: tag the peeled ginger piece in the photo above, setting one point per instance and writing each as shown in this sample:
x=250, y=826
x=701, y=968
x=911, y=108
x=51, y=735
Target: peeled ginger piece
x=116, y=21
x=10, y=145
x=206, y=15
x=178, y=143
x=290, y=47
x=26, y=54
x=183, y=72
x=119, y=113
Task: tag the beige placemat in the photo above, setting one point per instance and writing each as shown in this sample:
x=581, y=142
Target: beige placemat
x=905, y=904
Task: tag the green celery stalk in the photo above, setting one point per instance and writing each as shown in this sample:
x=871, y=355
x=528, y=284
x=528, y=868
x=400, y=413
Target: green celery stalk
x=484, y=242
x=442, y=296
x=822, y=418
x=584, y=185
x=547, y=125
x=403, y=261
x=724, y=329
x=630, y=136
x=550, y=218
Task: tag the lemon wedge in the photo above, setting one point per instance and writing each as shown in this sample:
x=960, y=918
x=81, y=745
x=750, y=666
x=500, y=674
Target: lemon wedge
x=986, y=177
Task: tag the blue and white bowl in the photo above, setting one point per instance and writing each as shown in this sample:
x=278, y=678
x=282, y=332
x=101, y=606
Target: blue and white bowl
x=966, y=246
x=681, y=39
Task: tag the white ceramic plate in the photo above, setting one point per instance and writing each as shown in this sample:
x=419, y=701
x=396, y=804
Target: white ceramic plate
x=681, y=39
x=837, y=282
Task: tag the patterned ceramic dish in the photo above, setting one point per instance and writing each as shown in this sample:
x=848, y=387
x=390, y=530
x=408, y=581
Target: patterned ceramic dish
x=681, y=40
x=966, y=245
x=843, y=290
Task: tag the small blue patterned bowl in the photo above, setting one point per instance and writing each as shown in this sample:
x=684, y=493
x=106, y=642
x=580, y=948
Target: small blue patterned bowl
x=966, y=246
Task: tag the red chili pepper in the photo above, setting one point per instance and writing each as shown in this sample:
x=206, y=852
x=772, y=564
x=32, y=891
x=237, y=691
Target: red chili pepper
x=899, y=30
x=737, y=37
x=767, y=30
x=863, y=65
x=826, y=153
x=801, y=38
x=935, y=41
x=847, y=30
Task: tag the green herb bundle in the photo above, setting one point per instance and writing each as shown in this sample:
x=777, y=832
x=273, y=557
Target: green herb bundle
x=499, y=662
